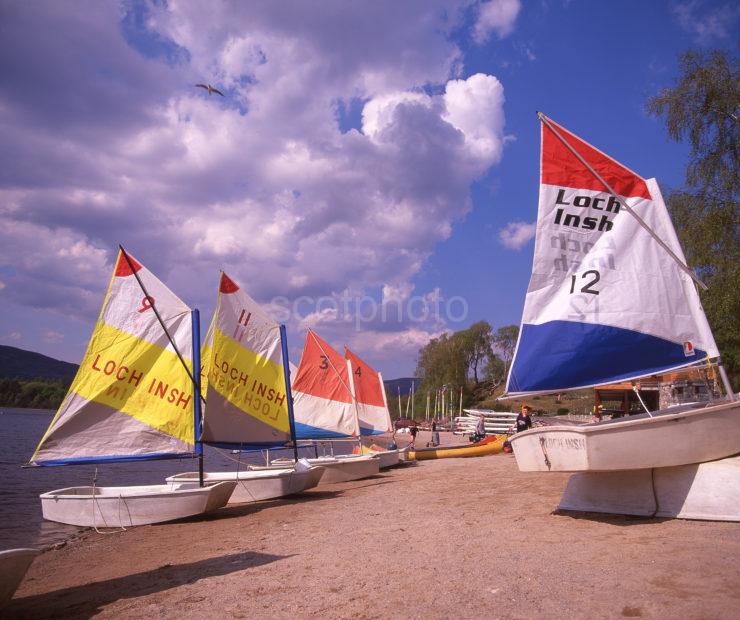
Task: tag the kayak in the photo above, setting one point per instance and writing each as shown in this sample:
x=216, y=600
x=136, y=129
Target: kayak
x=490, y=445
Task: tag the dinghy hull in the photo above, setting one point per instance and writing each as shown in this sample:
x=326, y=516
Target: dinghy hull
x=706, y=491
x=129, y=506
x=672, y=437
x=14, y=563
x=342, y=468
x=255, y=485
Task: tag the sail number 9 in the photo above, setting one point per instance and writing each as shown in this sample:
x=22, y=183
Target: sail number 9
x=593, y=277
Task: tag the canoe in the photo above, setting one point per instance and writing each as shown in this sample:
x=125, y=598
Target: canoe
x=489, y=445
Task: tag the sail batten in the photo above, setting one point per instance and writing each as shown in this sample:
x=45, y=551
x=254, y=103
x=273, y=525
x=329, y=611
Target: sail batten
x=605, y=302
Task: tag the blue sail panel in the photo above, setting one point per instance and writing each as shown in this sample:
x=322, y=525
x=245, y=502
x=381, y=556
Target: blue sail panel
x=370, y=431
x=565, y=355
x=113, y=459
x=306, y=431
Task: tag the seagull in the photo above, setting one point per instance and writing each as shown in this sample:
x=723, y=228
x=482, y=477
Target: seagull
x=210, y=89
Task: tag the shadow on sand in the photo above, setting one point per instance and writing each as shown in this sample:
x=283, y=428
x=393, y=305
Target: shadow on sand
x=87, y=600
x=610, y=519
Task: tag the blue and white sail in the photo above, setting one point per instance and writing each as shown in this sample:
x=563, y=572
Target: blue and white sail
x=605, y=302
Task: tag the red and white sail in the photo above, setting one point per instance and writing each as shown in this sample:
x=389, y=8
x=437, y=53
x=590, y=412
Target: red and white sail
x=372, y=407
x=323, y=399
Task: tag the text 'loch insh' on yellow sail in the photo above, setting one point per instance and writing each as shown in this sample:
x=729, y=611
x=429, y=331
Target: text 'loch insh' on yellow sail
x=247, y=403
x=132, y=397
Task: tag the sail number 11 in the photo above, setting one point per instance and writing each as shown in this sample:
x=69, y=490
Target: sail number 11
x=593, y=277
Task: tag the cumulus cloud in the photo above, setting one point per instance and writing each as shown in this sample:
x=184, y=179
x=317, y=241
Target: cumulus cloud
x=107, y=142
x=496, y=16
x=515, y=234
x=707, y=23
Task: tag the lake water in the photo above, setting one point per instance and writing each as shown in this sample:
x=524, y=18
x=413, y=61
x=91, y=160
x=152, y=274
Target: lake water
x=21, y=524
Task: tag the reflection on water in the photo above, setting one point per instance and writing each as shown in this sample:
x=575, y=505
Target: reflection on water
x=21, y=524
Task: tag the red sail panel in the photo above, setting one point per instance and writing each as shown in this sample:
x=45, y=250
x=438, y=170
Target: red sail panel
x=322, y=371
x=368, y=387
x=561, y=167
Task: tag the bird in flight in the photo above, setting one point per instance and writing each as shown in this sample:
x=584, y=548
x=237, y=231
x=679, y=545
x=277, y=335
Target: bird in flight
x=210, y=89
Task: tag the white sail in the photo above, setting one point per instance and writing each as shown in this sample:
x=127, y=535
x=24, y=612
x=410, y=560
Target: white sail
x=605, y=302
x=247, y=403
x=132, y=397
x=323, y=399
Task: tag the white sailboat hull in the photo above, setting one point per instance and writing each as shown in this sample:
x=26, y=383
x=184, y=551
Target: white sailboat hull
x=388, y=458
x=676, y=436
x=707, y=491
x=14, y=563
x=129, y=506
x=256, y=485
x=343, y=468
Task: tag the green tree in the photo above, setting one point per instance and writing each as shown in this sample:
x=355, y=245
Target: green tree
x=504, y=340
x=702, y=108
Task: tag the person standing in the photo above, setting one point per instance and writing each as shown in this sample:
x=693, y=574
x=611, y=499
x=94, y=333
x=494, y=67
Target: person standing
x=523, y=420
x=414, y=430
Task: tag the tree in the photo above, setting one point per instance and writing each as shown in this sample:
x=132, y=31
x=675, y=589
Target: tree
x=703, y=108
x=505, y=341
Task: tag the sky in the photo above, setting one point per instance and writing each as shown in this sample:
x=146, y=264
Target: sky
x=371, y=170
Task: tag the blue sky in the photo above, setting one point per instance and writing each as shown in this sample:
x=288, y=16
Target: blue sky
x=367, y=152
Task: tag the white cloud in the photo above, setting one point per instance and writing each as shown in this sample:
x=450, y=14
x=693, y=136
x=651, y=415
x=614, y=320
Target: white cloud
x=496, y=16
x=52, y=337
x=706, y=23
x=516, y=234
x=14, y=336
x=261, y=183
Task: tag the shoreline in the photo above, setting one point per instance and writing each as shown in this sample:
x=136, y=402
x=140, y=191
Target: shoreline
x=462, y=538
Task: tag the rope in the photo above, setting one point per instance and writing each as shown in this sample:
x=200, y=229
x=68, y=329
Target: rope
x=95, y=503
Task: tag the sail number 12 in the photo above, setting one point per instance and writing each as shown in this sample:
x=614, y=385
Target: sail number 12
x=593, y=277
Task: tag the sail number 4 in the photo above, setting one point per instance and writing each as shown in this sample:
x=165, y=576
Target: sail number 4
x=594, y=276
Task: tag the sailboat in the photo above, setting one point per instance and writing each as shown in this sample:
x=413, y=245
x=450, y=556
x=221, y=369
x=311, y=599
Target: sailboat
x=372, y=406
x=324, y=406
x=248, y=398
x=132, y=399
x=612, y=300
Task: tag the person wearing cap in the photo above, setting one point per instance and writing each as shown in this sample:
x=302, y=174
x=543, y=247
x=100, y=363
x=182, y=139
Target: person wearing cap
x=523, y=420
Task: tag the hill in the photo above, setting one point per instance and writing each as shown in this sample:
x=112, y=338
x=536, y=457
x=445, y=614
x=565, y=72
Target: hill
x=20, y=364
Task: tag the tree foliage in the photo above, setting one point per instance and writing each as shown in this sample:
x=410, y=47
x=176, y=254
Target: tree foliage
x=35, y=394
x=702, y=108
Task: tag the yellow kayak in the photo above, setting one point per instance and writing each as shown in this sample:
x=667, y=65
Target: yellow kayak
x=490, y=445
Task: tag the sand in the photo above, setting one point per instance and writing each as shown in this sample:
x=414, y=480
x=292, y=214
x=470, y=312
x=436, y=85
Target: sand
x=462, y=538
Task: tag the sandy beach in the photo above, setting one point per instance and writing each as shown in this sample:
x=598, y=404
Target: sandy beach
x=463, y=538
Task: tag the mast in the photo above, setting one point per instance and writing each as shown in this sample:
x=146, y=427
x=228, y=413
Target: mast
x=288, y=392
x=197, y=412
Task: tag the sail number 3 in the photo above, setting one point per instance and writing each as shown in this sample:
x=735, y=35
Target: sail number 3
x=587, y=287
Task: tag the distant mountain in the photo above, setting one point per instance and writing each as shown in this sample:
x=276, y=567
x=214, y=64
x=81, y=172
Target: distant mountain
x=20, y=364
x=392, y=385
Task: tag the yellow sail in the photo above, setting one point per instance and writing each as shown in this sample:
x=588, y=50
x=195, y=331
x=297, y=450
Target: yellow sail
x=247, y=403
x=132, y=397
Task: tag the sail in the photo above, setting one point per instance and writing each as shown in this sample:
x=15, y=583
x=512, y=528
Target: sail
x=132, y=397
x=605, y=302
x=246, y=400
x=323, y=403
x=372, y=408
